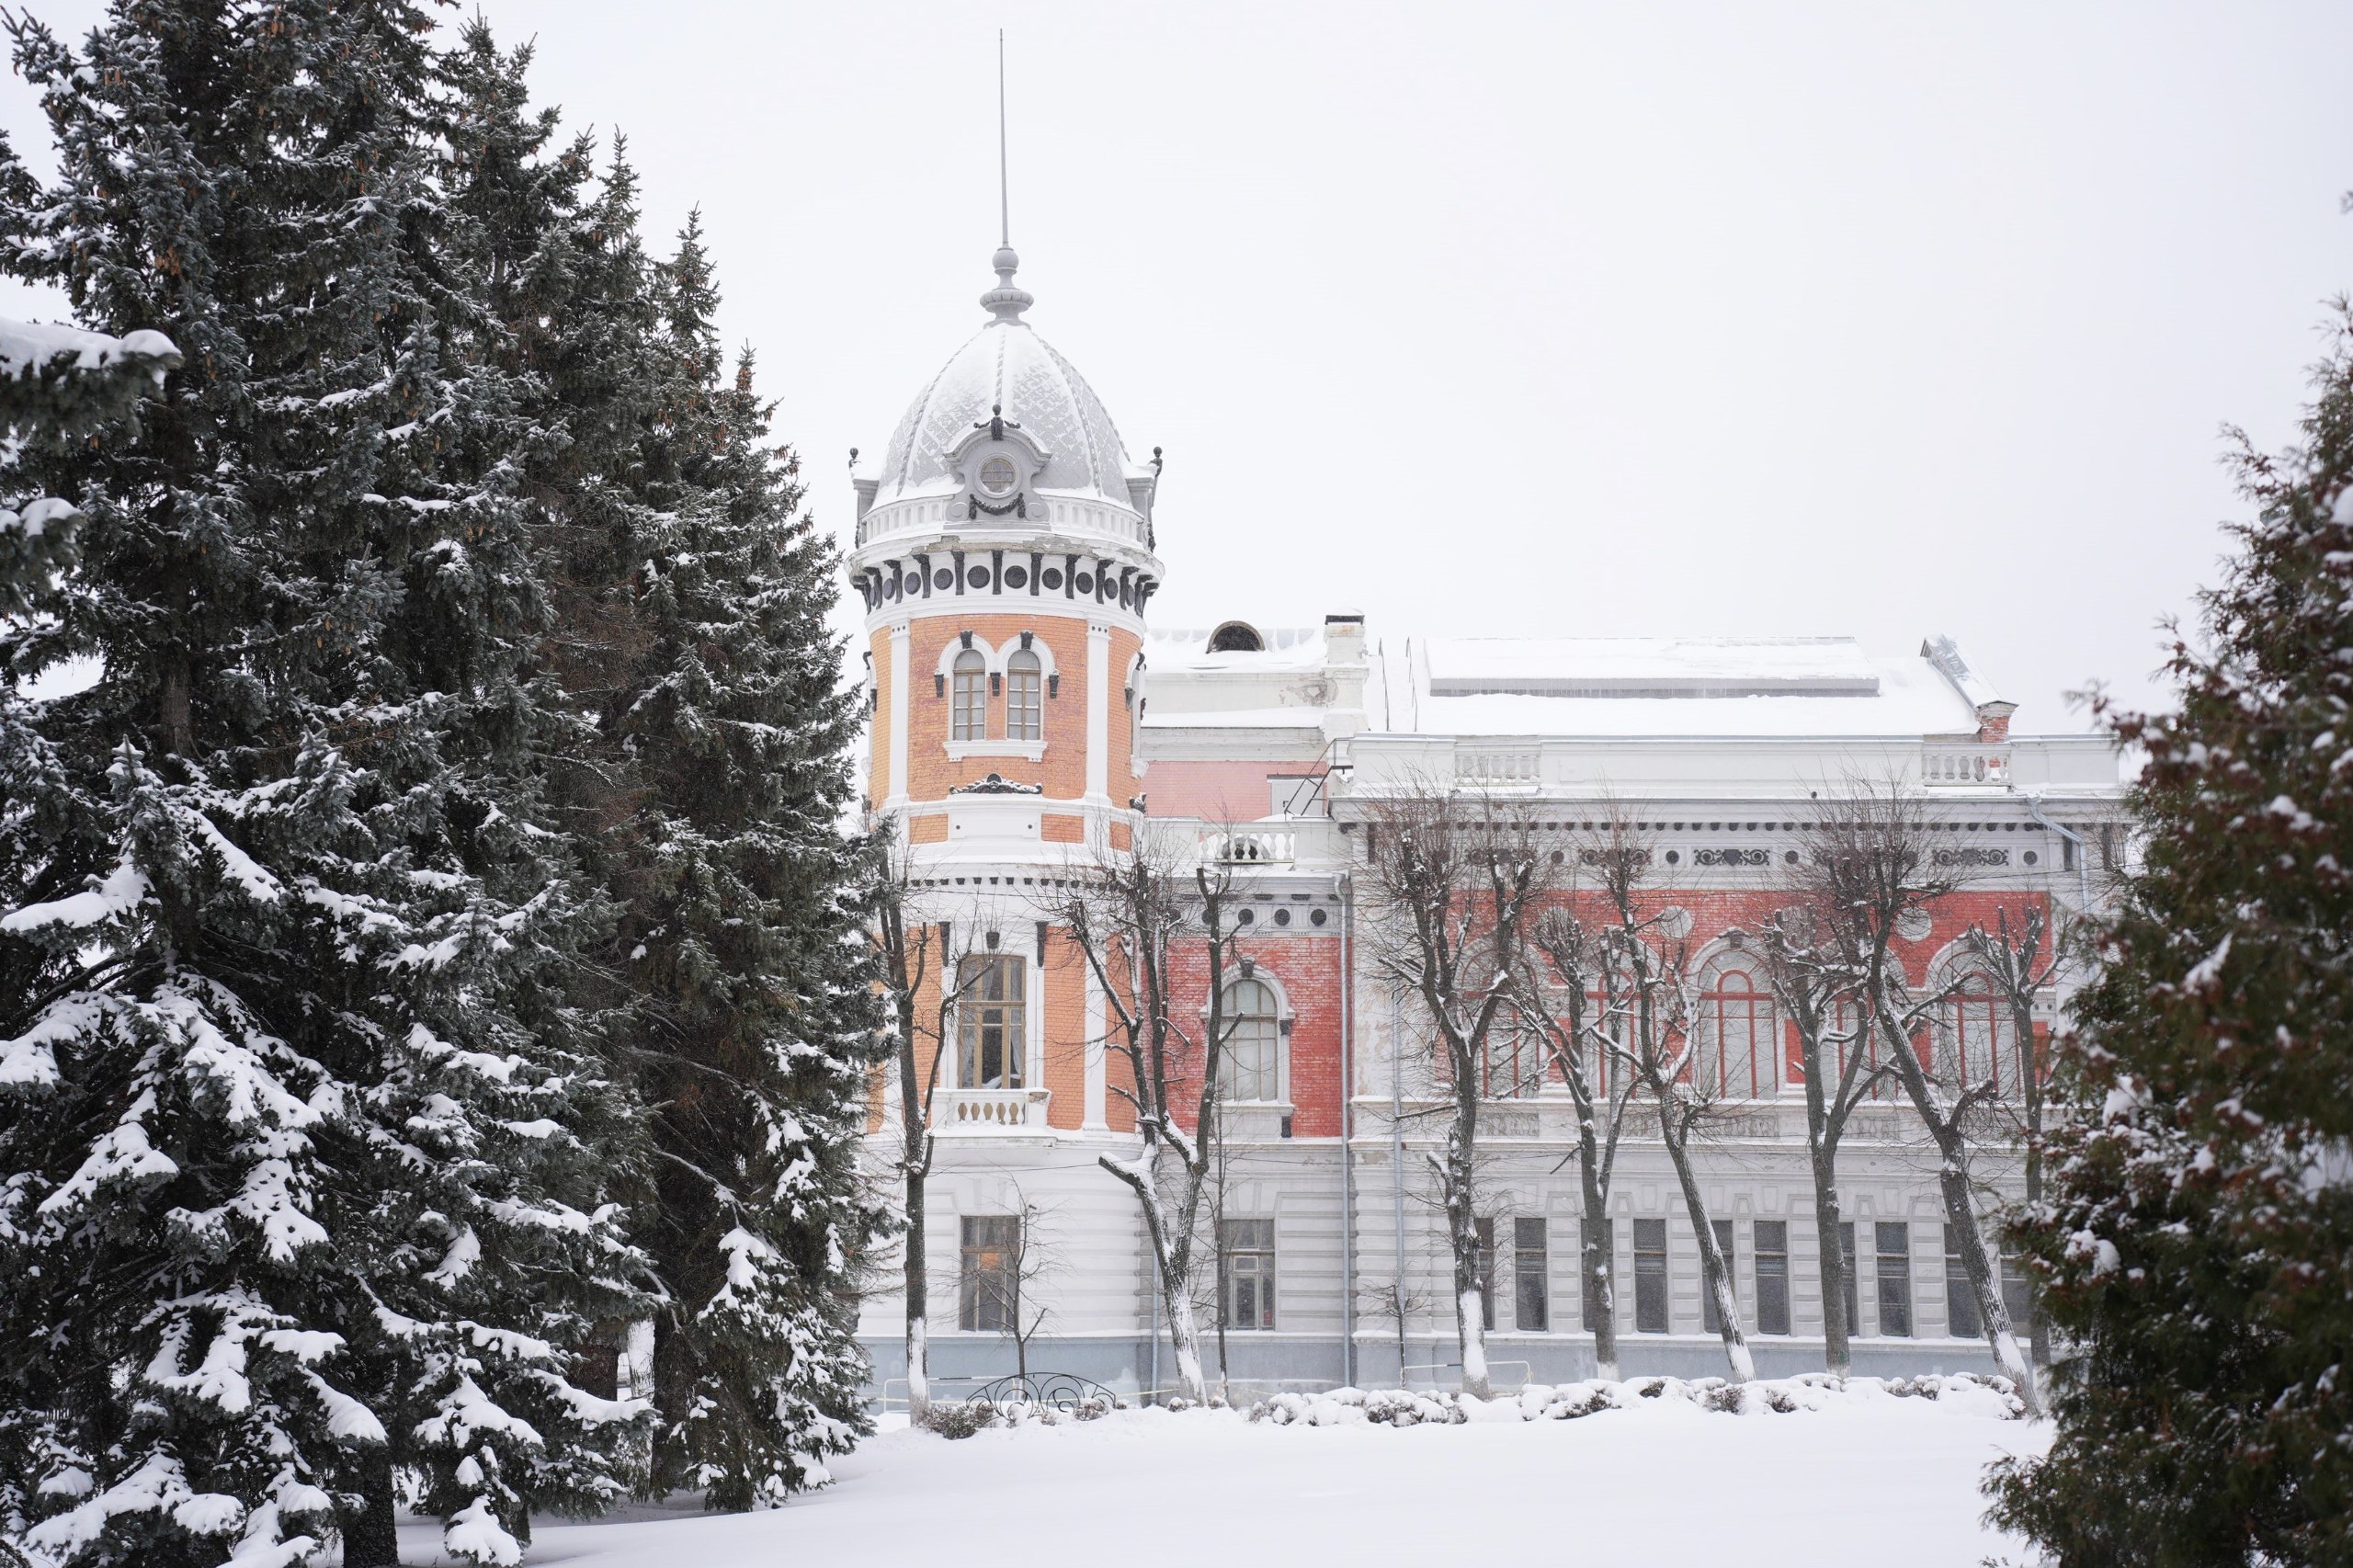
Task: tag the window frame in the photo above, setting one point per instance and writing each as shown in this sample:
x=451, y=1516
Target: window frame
x=1892, y=1276
x=1025, y=696
x=1276, y=1020
x=1249, y=1267
x=1531, y=1269
x=987, y=1292
x=1777, y=1233
x=968, y=696
x=1013, y=1022
x=1651, y=1302
x=1750, y=1013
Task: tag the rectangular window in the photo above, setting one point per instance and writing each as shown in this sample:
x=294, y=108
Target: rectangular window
x=1605, y=1243
x=1772, y=1276
x=1650, y=1277
x=1249, y=1273
x=1709, y=1318
x=2018, y=1294
x=986, y=1280
x=1531, y=1275
x=1025, y=713
x=1485, y=1231
x=1961, y=1318
x=1847, y=1254
x=1894, y=1278
x=993, y=1021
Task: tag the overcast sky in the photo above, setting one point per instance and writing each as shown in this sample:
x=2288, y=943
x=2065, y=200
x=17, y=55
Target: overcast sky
x=1549, y=319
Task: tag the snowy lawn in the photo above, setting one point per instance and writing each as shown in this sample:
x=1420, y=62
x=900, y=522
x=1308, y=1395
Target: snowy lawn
x=1663, y=1482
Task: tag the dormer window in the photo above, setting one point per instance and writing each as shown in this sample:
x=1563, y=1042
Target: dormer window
x=998, y=476
x=1236, y=637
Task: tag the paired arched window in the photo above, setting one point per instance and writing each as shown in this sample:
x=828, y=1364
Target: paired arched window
x=1025, y=697
x=1250, y=1061
x=1739, y=1046
x=968, y=713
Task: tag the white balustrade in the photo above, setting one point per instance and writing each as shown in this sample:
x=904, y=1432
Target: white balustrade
x=1513, y=768
x=1953, y=766
x=989, y=1111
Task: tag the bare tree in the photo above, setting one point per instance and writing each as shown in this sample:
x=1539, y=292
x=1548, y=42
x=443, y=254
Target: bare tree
x=1875, y=862
x=1648, y=1027
x=1454, y=880
x=922, y=980
x=1573, y=968
x=2021, y=960
x=1816, y=987
x=1034, y=1260
x=1400, y=1304
x=1134, y=916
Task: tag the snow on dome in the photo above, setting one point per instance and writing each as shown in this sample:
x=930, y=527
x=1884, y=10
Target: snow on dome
x=1007, y=363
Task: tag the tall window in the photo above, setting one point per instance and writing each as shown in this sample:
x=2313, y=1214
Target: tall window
x=1531, y=1275
x=1847, y=1254
x=1514, y=1064
x=1708, y=1318
x=1024, y=682
x=1650, y=1277
x=2018, y=1294
x=991, y=1266
x=1963, y=1320
x=1974, y=1016
x=968, y=714
x=1604, y=1242
x=1250, y=1061
x=993, y=1021
x=1772, y=1276
x=1738, y=1044
x=1894, y=1278
x=1249, y=1246
x=1485, y=1230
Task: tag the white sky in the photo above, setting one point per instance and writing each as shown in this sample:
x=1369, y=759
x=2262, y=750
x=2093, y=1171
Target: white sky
x=1547, y=320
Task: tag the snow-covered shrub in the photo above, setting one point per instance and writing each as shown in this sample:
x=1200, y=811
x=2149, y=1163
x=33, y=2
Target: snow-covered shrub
x=959, y=1418
x=1966, y=1393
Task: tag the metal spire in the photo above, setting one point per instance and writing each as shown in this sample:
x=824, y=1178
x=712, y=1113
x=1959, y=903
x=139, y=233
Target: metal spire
x=1005, y=302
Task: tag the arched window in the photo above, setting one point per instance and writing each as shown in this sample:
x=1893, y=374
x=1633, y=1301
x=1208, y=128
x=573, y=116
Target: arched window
x=1975, y=1038
x=1739, y=1046
x=1024, y=682
x=968, y=717
x=1250, y=1061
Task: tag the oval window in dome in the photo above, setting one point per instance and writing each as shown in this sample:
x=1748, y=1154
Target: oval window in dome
x=998, y=475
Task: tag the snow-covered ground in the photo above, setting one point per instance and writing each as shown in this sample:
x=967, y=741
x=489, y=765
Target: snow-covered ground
x=1867, y=1482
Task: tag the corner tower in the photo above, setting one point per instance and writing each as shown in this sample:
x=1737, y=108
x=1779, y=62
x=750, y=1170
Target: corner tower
x=1003, y=552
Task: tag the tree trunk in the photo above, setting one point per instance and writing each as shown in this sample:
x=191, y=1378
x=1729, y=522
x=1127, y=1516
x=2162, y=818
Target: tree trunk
x=2030, y=1078
x=1838, y=1354
x=600, y=1359
x=1600, y=1288
x=371, y=1535
x=1952, y=1178
x=1462, y=1232
x=1713, y=1276
x=914, y=1285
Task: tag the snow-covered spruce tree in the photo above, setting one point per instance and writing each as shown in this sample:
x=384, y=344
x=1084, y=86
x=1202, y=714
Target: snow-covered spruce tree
x=754, y=1025
x=2196, y=1248
x=296, y=1203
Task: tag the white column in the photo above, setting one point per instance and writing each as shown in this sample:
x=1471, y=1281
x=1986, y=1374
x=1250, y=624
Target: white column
x=1097, y=1095
x=1098, y=713
x=898, y=720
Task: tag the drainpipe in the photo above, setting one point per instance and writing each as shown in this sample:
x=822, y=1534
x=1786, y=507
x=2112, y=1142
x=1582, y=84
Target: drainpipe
x=2083, y=847
x=1347, y=1139
x=1397, y=1162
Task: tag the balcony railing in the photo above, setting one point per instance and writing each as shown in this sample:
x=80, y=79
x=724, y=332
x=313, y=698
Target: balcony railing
x=989, y=1111
x=1496, y=768
x=1953, y=766
x=1251, y=846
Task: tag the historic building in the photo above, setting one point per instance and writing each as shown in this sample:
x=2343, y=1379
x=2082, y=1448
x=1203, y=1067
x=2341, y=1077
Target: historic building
x=1026, y=718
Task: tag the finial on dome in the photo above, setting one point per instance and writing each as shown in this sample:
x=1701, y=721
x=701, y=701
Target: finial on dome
x=1005, y=302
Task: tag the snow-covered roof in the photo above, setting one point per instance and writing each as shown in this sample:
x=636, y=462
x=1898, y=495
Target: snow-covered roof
x=1659, y=687
x=1688, y=667
x=1286, y=648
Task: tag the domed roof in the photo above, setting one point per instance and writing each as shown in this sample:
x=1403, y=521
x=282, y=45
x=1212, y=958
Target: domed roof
x=1007, y=364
